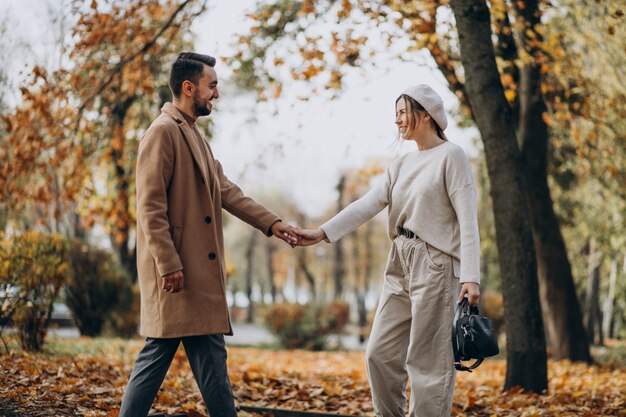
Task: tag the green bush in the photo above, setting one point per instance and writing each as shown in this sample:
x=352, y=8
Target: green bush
x=98, y=287
x=305, y=326
x=336, y=314
x=124, y=321
x=8, y=284
x=33, y=268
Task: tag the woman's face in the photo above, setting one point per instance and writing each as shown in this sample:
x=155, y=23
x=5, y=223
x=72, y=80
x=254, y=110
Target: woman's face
x=401, y=118
x=403, y=121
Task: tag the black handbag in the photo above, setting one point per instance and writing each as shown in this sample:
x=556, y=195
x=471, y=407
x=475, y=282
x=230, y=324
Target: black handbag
x=473, y=337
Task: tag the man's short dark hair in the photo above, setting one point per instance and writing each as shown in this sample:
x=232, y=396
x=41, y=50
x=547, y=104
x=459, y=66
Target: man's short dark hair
x=188, y=66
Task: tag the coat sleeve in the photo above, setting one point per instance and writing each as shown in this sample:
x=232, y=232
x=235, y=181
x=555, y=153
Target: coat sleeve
x=245, y=208
x=155, y=166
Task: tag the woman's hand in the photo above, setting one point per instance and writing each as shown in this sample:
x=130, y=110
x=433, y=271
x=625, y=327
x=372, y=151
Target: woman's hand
x=310, y=237
x=472, y=290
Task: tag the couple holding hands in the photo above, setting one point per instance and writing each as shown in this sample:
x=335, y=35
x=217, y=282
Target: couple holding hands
x=433, y=262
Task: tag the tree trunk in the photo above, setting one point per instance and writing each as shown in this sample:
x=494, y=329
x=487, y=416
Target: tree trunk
x=79, y=230
x=120, y=238
x=609, y=303
x=271, y=249
x=339, y=269
x=526, y=350
x=249, y=267
x=308, y=275
x=359, y=276
x=4, y=217
x=122, y=180
x=364, y=284
x=559, y=302
x=128, y=256
x=594, y=319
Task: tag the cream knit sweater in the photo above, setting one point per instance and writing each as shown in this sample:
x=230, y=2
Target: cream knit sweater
x=431, y=193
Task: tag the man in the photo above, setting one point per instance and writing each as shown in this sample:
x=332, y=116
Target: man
x=181, y=190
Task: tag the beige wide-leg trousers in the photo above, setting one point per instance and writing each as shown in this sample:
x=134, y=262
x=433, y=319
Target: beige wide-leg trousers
x=411, y=334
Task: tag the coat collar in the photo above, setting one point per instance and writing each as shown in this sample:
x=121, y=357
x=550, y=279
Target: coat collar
x=170, y=110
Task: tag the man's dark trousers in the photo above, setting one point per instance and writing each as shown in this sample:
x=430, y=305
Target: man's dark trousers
x=207, y=357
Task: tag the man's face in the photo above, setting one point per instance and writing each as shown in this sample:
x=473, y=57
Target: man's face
x=205, y=92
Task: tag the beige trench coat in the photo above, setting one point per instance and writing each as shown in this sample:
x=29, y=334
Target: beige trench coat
x=179, y=227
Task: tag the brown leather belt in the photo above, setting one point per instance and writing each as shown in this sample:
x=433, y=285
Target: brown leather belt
x=406, y=233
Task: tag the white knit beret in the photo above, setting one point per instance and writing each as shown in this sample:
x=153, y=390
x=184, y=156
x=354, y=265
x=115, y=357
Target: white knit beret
x=431, y=101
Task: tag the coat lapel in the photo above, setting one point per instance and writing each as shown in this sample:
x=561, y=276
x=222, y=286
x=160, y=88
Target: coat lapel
x=173, y=112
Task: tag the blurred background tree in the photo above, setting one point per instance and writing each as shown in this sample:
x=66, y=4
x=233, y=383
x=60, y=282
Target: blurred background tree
x=588, y=150
x=71, y=144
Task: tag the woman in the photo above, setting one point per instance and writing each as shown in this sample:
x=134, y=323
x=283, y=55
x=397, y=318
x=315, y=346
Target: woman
x=433, y=225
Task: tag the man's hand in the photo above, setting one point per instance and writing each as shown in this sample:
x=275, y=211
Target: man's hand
x=310, y=237
x=173, y=282
x=286, y=232
x=473, y=293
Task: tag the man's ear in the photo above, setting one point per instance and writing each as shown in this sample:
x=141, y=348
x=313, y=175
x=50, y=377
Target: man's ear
x=188, y=88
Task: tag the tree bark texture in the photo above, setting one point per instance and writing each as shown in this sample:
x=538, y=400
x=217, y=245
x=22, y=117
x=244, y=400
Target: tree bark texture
x=526, y=350
x=561, y=310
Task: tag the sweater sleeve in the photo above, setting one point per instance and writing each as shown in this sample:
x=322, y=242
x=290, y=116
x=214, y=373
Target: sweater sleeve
x=464, y=203
x=463, y=197
x=360, y=211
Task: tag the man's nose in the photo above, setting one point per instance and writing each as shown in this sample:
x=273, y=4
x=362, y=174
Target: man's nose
x=216, y=94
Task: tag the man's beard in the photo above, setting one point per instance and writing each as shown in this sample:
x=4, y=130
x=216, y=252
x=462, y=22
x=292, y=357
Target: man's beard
x=199, y=108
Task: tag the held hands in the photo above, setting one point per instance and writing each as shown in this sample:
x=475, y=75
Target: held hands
x=472, y=290
x=296, y=236
x=287, y=233
x=310, y=237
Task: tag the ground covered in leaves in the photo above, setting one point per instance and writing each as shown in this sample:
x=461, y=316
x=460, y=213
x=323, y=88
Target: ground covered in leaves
x=84, y=377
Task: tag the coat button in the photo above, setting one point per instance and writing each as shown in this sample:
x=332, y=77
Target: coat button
x=212, y=256
x=207, y=219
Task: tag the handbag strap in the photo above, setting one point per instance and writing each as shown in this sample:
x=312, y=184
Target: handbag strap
x=460, y=367
x=465, y=309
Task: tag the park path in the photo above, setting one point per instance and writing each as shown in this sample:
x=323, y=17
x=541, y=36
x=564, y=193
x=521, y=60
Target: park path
x=246, y=334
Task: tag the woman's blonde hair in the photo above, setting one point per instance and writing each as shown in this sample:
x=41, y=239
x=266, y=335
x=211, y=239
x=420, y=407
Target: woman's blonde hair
x=414, y=110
